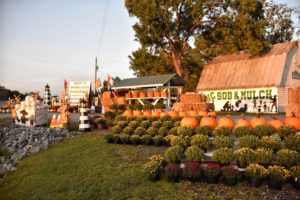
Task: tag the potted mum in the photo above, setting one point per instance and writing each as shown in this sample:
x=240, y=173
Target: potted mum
x=173, y=171
x=244, y=157
x=100, y=123
x=224, y=156
x=263, y=156
x=230, y=175
x=277, y=175
x=295, y=174
x=154, y=168
x=192, y=171
x=255, y=174
x=211, y=172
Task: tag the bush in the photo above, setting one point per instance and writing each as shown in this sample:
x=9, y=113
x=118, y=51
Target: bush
x=249, y=141
x=192, y=171
x=176, y=119
x=146, y=139
x=270, y=142
x=152, y=131
x=263, y=130
x=122, y=107
x=286, y=131
x=185, y=131
x=137, y=106
x=173, y=171
x=145, y=124
x=116, y=129
x=174, y=154
x=124, y=138
x=168, y=124
x=139, y=131
x=224, y=131
x=194, y=153
x=116, y=138
x=173, y=131
x=134, y=124
x=120, y=118
x=295, y=173
x=163, y=131
x=108, y=123
x=263, y=156
x=156, y=124
x=152, y=119
x=135, y=139
x=114, y=107
x=109, y=138
x=278, y=173
x=286, y=157
x=158, y=140
x=200, y=141
x=160, y=106
x=255, y=171
x=109, y=114
x=230, y=172
x=128, y=130
x=244, y=156
x=223, y=141
x=154, y=167
x=100, y=120
x=140, y=119
x=180, y=141
x=168, y=139
x=204, y=130
x=212, y=170
x=177, y=124
x=223, y=156
x=130, y=119
x=122, y=124
x=165, y=118
x=148, y=106
x=243, y=131
x=292, y=142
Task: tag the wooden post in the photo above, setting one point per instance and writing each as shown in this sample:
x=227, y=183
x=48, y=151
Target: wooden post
x=95, y=75
x=169, y=97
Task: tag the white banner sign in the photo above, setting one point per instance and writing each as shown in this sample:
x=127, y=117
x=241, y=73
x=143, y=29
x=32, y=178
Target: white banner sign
x=78, y=90
x=244, y=100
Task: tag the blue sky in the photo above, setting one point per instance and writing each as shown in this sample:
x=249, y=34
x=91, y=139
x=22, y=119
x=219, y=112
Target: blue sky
x=46, y=41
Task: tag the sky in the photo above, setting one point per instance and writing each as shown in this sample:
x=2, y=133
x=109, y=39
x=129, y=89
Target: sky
x=47, y=41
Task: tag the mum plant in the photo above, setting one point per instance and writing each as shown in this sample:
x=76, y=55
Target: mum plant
x=145, y=124
x=194, y=153
x=139, y=131
x=263, y=156
x=122, y=124
x=180, y=141
x=158, y=140
x=286, y=131
x=163, y=131
x=135, y=139
x=256, y=171
x=146, y=139
x=185, y=131
x=168, y=124
x=223, y=141
x=124, y=138
x=211, y=170
x=263, y=130
x=173, y=171
x=156, y=124
x=223, y=156
x=222, y=131
x=173, y=131
x=134, y=124
x=286, y=157
x=249, y=141
x=270, y=142
x=192, y=171
x=116, y=129
x=152, y=131
x=128, y=130
x=278, y=173
x=154, y=167
x=295, y=174
x=244, y=157
x=292, y=142
x=200, y=141
x=204, y=130
x=174, y=154
x=243, y=131
x=230, y=172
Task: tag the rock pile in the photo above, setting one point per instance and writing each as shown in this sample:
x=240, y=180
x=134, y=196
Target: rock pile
x=18, y=142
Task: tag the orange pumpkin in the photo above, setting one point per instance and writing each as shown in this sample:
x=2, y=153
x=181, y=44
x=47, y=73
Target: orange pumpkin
x=135, y=95
x=243, y=123
x=156, y=94
x=162, y=114
x=208, y=121
x=293, y=121
x=258, y=121
x=156, y=114
x=137, y=113
x=150, y=94
x=275, y=123
x=182, y=113
x=173, y=113
x=226, y=121
x=202, y=113
x=212, y=114
x=159, y=110
x=128, y=113
x=192, y=113
x=147, y=113
x=189, y=121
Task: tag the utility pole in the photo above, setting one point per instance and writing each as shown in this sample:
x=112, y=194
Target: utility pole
x=96, y=69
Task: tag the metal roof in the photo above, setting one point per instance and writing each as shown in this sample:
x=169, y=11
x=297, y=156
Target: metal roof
x=149, y=81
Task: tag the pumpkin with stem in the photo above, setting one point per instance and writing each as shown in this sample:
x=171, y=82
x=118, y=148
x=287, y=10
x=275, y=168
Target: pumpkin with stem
x=189, y=121
x=226, y=121
x=202, y=113
x=258, y=121
x=242, y=122
x=275, y=123
x=173, y=113
x=293, y=122
x=209, y=121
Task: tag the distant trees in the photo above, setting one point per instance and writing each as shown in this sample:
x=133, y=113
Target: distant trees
x=7, y=93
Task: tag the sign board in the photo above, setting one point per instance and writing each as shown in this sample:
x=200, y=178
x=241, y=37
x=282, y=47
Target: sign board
x=263, y=100
x=78, y=90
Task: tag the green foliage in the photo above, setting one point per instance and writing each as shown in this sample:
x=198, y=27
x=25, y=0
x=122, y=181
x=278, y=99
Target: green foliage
x=156, y=124
x=108, y=123
x=124, y=138
x=204, y=130
x=286, y=131
x=270, y=142
x=223, y=155
x=120, y=118
x=243, y=131
x=109, y=138
x=140, y=119
x=173, y=171
x=148, y=106
x=292, y=142
x=116, y=138
x=278, y=173
x=263, y=156
x=152, y=131
x=244, y=156
x=163, y=131
x=130, y=106
x=135, y=139
x=185, y=131
x=130, y=119
x=201, y=141
x=154, y=167
x=100, y=120
x=160, y=106
x=177, y=123
x=128, y=130
x=173, y=131
x=134, y=124
x=139, y=131
x=168, y=124
x=177, y=119
x=122, y=124
x=194, y=153
x=224, y=131
x=180, y=141
x=249, y=141
x=263, y=130
x=138, y=106
x=145, y=124
x=255, y=171
x=146, y=139
x=174, y=154
x=223, y=141
x=114, y=107
x=286, y=157
x=152, y=119
x=116, y=129
x=158, y=140
x=295, y=173
x=166, y=118
x=121, y=107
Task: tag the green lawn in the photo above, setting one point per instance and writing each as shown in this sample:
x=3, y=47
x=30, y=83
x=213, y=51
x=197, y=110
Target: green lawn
x=86, y=167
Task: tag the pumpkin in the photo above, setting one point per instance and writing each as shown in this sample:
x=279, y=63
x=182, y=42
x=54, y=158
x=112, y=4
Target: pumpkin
x=156, y=114
x=226, y=121
x=135, y=95
x=192, y=113
x=156, y=94
x=182, y=113
x=173, y=113
x=243, y=123
x=147, y=113
x=212, y=114
x=162, y=114
x=293, y=121
x=137, y=113
x=275, y=123
x=159, y=110
x=208, y=121
x=150, y=94
x=258, y=121
x=189, y=121
x=128, y=113
x=202, y=113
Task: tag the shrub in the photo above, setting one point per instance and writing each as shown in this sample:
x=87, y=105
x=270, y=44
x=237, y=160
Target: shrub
x=165, y=118
x=295, y=173
x=223, y=156
x=244, y=156
x=194, y=153
x=140, y=119
x=145, y=124
x=135, y=139
x=286, y=131
x=124, y=138
x=116, y=138
x=168, y=124
x=192, y=171
x=148, y=106
x=278, y=173
x=138, y=106
x=109, y=114
x=158, y=140
x=122, y=124
x=108, y=123
x=152, y=131
x=130, y=119
x=134, y=124
x=270, y=142
x=211, y=170
x=130, y=106
x=286, y=157
x=116, y=129
x=263, y=130
x=152, y=119
x=200, y=141
x=224, y=131
x=139, y=131
x=255, y=171
x=180, y=141
x=109, y=138
x=230, y=172
x=100, y=120
x=185, y=131
x=163, y=131
x=173, y=171
x=174, y=154
x=114, y=107
x=204, y=130
x=223, y=141
x=263, y=156
x=120, y=118
x=177, y=124
x=122, y=107
x=146, y=139
x=292, y=142
x=173, y=131
x=249, y=141
x=128, y=130
x=168, y=139
x=243, y=131
x=154, y=167
x=176, y=119
x=156, y=124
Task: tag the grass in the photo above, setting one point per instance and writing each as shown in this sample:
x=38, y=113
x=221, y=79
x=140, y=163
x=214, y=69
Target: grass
x=86, y=167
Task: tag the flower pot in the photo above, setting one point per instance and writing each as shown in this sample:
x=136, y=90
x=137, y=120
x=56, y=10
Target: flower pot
x=164, y=94
x=296, y=184
x=142, y=94
x=135, y=95
x=230, y=181
x=212, y=179
x=256, y=182
x=150, y=94
x=275, y=184
x=128, y=95
x=100, y=126
x=156, y=94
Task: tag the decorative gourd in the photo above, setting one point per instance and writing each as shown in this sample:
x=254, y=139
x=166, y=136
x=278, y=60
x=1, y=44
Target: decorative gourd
x=173, y=113
x=226, y=121
x=202, y=113
x=275, y=123
x=258, y=121
x=128, y=113
x=293, y=121
x=162, y=114
x=156, y=114
x=182, y=113
x=208, y=121
x=147, y=113
x=192, y=113
x=242, y=123
x=189, y=121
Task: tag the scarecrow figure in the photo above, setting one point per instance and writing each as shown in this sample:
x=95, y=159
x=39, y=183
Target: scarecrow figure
x=23, y=117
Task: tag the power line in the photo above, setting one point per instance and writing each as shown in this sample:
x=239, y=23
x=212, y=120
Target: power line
x=103, y=25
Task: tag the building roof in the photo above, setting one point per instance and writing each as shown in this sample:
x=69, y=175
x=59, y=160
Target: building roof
x=149, y=81
x=243, y=71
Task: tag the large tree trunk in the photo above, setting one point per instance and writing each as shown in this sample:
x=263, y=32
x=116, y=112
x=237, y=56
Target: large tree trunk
x=176, y=59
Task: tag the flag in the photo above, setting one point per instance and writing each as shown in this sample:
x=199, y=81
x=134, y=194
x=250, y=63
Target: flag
x=109, y=82
x=65, y=84
x=98, y=84
x=97, y=68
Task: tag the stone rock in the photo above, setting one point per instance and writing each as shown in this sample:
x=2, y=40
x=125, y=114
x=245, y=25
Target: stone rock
x=2, y=169
x=45, y=144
